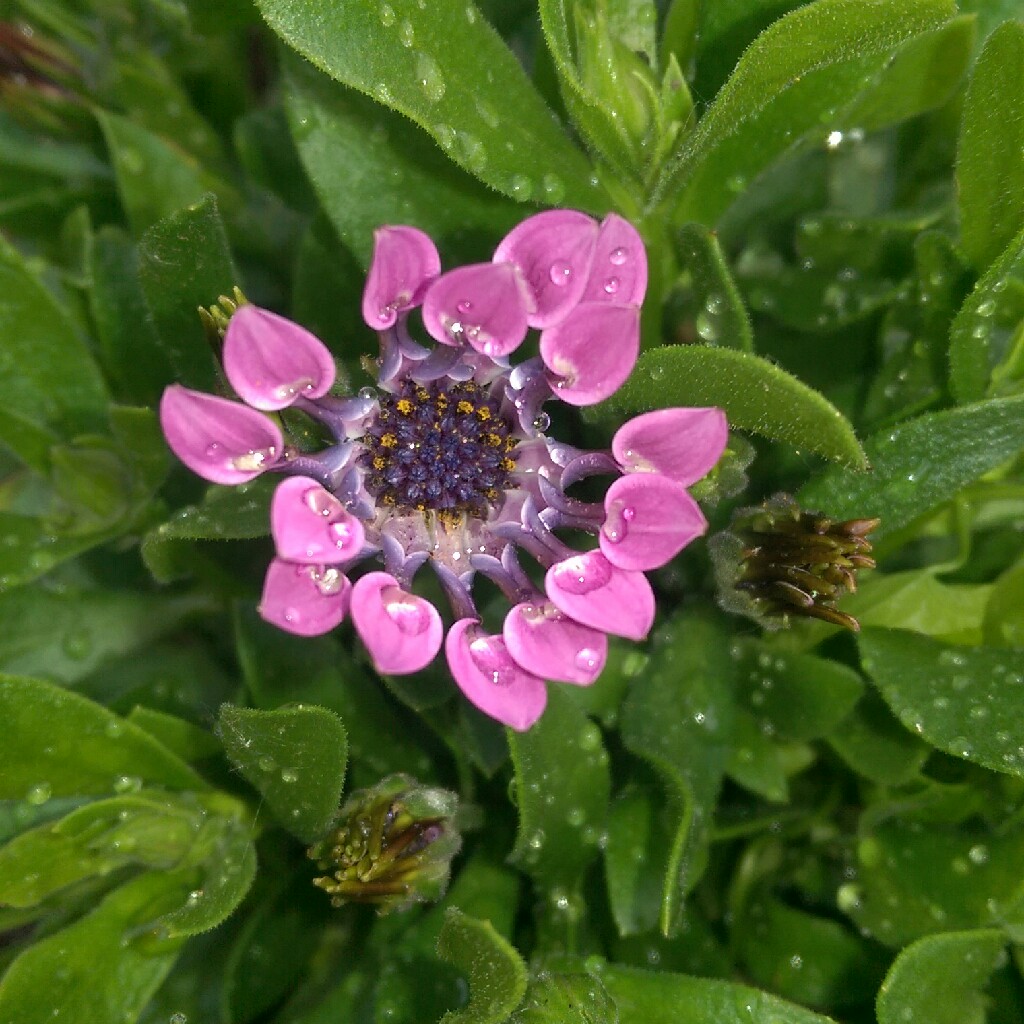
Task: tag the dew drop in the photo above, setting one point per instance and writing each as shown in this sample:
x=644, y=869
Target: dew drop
x=430, y=78
x=706, y=327
x=406, y=34
x=611, y=285
x=541, y=422
x=127, y=784
x=39, y=794
x=617, y=257
x=267, y=764
x=554, y=189
x=560, y=273
x=978, y=854
x=586, y=659
x=579, y=575
x=387, y=15
x=289, y=775
x=521, y=187
x=78, y=644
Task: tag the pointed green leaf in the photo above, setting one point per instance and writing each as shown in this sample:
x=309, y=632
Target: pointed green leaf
x=756, y=395
x=295, y=757
x=444, y=67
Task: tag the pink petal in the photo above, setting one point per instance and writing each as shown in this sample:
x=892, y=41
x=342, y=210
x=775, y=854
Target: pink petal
x=589, y=589
x=220, y=440
x=483, y=305
x=490, y=678
x=592, y=351
x=553, y=251
x=311, y=526
x=548, y=643
x=270, y=361
x=401, y=631
x=619, y=269
x=304, y=599
x=679, y=443
x=650, y=519
x=404, y=262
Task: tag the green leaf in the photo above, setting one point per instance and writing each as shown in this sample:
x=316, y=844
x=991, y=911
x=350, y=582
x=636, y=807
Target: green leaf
x=60, y=744
x=577, y=998
x=295, y=757
x=154, y=177
x=496, y=973
x=50, y=386
x=755, y=761
x=226, y=513
x=990, y=171
x=967, y=701
x=65, y=635
x=446, y=69
x=96, y=969
x=919, y=464
x=184, y=263
x=803, y=73
x=143, y=828
x=942, y=978
x=664, y=998
x=984, y=332
x=562, y=791
x=634, y=890
x=755, y=394
x=369, y=167
x=183, y=738
x=715, y=305
x=684, y=734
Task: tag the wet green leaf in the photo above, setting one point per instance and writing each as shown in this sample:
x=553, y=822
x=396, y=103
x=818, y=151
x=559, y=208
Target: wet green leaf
x=183, y=738
x=447, y=70
x=295, y=757
x=496, y=973
x=565, y=998
x=990, y=171
x=755, y=394
x=942, y=978
x=634, y=890
x=60, y=744
x=755, y=761
x=967, y=701
x=917, y=465
x=684, y=734
x=96, y=969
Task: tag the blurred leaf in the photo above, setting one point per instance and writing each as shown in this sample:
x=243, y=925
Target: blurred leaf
x=684, y=734
x=815, y=67
x=990, y=168
x=914, y=880
x=634, y=890
x=66, y=635
x=50, y=386
x=448, y=71
x=715, y=306
x=370, y=168
x=920, y=464
x=226, y=513
x=295, y=757
x=755, y=761
x=96, y=969
x=942, y=978
x=60, y=744
x=562, y=790
x=183, y=738
x=1004, y=614
x=984, y=331
x=664, y=998
x=496, y=974
x=755, y=394
x=184, y=263
x=967, y=701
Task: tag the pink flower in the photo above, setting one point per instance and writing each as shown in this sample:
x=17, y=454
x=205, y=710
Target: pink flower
x=449, y=462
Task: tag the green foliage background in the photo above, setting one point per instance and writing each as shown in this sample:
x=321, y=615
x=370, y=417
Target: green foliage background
x=730, y=826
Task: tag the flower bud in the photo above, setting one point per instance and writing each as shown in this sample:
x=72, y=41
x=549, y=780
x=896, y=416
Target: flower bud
x=776, y=560
x=393, y=846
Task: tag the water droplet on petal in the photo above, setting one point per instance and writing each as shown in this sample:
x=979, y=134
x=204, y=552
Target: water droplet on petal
x=408, y=613
x=560, y=273
x=611, y=286
x=541, y=422
x=493, y=660
x=212, y=451
x=618, y=256
x=579, y=576
x=586, y=658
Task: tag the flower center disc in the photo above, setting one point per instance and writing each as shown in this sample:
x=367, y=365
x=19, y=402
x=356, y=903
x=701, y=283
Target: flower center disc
x=439, y=448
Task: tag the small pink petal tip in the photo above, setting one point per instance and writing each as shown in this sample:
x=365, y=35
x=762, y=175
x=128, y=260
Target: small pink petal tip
x=311, y=526
x=592, y=351
x=589, y=589
x=271, y=361
x=553, y=250
x=683, y=444
x=649, y=520
x=490, y=678
x=483, y=305
x=551, y=645
x=618, y=272
x=405, y=261
x=307, y=600
x=220, y=440
x=401, y=631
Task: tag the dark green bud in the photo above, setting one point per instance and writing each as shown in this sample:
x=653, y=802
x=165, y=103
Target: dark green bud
x=393, y=846
x=215, y=318
x=776, y=561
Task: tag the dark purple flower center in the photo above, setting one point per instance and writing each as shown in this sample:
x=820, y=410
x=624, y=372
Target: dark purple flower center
x=440, y=447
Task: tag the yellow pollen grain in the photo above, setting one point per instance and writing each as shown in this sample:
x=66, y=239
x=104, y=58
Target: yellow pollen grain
x=483, y=412
x=508, y=465
x=389, y=441
x=379, y=462
x=404, y=406
x=464, y=406
x=492, y=493
x=441, y=402
x=422, y=394
x=493, y=440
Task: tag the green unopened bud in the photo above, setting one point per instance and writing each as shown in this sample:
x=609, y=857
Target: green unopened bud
x=776, y=560
x=392, y=847
x=215, y=318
